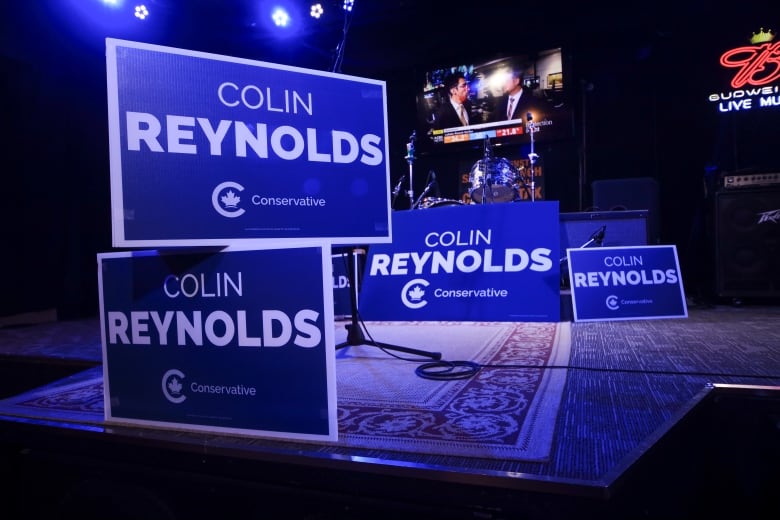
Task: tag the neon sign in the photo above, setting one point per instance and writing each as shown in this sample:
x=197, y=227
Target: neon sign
x=757, y=68
x=758, y=65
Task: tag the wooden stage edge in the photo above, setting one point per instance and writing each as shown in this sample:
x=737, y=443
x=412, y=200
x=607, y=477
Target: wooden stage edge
x=192, y=473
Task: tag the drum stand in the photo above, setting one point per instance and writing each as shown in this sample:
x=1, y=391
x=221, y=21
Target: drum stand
x=355, y=334
x=487, y=172
x=410, y=161
x=532, y=157
x=487, y=183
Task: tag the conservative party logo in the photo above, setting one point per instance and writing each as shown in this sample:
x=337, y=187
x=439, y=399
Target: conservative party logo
x=226, y=199
x=442, y=267
x=172, y=386
x=416, y=294
x=413, y=293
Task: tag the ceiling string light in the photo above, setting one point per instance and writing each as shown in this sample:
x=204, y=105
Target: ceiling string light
x=141, y=12
x=316, y=11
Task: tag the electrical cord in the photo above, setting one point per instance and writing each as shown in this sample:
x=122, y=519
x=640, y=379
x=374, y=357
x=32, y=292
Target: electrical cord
x=443, y=370
x=447, y=370
x=339, y=58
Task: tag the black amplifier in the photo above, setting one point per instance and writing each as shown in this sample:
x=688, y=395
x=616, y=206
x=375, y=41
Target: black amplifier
x=753, y=180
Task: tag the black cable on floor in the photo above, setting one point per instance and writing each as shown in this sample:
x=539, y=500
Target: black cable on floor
x=445, y=370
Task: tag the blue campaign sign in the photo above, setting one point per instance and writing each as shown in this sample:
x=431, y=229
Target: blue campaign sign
x=624, y=283
x=208, y=150
x=481, y=262
x=233, y=341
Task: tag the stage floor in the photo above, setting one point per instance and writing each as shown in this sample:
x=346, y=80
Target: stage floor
x=657, y=418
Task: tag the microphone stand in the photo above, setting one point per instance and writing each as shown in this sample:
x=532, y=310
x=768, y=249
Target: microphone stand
x=397, y=190
x=355, y=335
x=596, y=238
x=431, y=182
x=410, y=161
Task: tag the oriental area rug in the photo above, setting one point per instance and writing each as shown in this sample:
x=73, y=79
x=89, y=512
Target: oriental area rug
x=502, y=405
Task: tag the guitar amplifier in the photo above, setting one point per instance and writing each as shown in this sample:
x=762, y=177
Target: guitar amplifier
x=600, y=229
x=747, y=243
x=754, y=180
x=613, y=228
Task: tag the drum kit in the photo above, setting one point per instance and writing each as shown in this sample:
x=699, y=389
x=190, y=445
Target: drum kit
x=438, y=202
x=494, y=179
x=491, y=180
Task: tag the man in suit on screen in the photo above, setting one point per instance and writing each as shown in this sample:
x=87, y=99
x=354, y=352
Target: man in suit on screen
x=456, y=109
x=515, y=101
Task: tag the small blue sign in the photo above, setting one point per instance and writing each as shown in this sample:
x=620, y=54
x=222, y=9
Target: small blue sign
x=208, y=150
x=233, y=341
x=479, y=262
x=626, y=283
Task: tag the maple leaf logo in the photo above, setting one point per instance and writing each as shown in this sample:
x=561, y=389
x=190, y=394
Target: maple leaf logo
x=174, y=385
x=416, y=294
x=230, y=199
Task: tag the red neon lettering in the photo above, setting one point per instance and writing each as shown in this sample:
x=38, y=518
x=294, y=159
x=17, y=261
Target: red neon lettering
x=758, y=65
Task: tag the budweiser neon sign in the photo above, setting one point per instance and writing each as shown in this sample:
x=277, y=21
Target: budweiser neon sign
x=757, y=65
x=756, y=81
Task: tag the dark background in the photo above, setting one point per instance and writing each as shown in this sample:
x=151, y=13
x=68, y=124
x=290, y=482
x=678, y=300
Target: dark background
x=637, y=77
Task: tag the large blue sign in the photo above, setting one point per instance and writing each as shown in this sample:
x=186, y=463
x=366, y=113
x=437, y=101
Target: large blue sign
x=624, y=283
x=211, y=150
x=485, y=262
x=237, y=341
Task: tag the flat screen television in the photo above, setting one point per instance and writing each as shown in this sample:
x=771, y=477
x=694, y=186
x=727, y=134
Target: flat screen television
x=543, y=106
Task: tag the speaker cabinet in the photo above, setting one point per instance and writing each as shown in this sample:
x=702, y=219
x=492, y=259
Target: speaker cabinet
x=639, y=193
x=619, y=228
x=585, y=229
x=747, y=243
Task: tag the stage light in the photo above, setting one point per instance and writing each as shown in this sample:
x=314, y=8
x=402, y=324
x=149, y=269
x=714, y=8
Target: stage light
x=91, y=21
x=281, y=17
x=348, y=4
x=141, y=12
x=284, y=19
x=316, y=11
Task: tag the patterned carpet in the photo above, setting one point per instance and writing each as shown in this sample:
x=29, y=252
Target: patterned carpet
x=506, y=411
x=626, y=383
